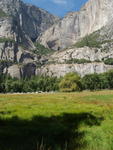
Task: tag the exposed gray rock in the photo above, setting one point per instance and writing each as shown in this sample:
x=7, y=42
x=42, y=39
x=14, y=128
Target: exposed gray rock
x=21, y=71
x=32, y=20
x=6, y=27
x=82, y=69
x=94, y=15
x=20, y=25
x=28, y=70
x=92, y=54
x=13, y=71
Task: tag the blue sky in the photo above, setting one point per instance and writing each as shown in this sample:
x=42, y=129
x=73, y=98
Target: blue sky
x=58, y=7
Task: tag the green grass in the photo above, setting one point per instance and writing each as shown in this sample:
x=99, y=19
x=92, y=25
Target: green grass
x=72, y=121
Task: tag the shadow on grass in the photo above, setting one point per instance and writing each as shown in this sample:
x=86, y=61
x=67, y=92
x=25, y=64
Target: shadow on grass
x=57, y=132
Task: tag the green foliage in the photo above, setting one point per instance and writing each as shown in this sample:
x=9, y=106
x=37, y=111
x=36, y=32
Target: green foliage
x=108, y=61
x=3, y=14
x=91, y=81
x=103, y=81
x=70, y=83
x=78, y=61
x=13, y=85
x=89, y=41
x=3, y=39
x=109, y=78
x=41, y=50
x=93, y=41
x=38, y=83
x=41, y=83
x=98, y=81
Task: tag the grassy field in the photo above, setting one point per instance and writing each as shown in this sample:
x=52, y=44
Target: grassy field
x=58, y=121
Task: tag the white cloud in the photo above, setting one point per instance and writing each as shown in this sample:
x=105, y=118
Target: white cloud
x=61, y=2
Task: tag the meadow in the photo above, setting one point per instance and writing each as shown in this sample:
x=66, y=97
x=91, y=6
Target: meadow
x=57, y=121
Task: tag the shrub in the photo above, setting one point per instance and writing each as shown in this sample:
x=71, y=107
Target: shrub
x=108, y=61
x=98, y=81
x=37, y=83
x=3, y=39
x=104, y=83
x=70, y=83
x=109, y=78
x=89, y=41
x=91, y=82
x=41, y=50
x=78, y=61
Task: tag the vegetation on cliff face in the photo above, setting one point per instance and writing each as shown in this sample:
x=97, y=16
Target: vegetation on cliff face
x=94, y=40
x=42, y=50
x=77, y=61
x=4, y=39
x=89, y=41
x=3, y=14
x=108, y=61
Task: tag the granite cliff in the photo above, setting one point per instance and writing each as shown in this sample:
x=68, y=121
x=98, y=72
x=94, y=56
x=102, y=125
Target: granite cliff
x=92, y=16
x=20, y=26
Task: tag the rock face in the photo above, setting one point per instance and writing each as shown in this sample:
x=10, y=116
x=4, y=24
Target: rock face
x=20, y=26
x=32, y=20
x=60, y=70
x=94, y=15
x=14, y=71
x=90, y=54
x=62, y=62
x=83, y=59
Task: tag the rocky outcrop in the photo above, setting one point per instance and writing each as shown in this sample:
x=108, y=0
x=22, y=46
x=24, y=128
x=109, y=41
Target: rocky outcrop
x=29, y=70
x=14, y=71
x=21, y=71
x=60, y=70
x=91, y=54
x=94, y=15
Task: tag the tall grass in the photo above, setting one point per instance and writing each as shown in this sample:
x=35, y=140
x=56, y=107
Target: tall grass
x=59, y=121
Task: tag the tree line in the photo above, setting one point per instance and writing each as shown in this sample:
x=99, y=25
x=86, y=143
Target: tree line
x=71, y=82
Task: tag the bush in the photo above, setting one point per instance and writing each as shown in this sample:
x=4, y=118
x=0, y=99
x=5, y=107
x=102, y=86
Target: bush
x=70, y=83
x=89, y=41
x=104, y=83
x=109, y=61
x=78, y=61
x=37, y=83
x=3, y=39
x=98, y=81
x=91, y=82
x=109, y=78
x=41, y=50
